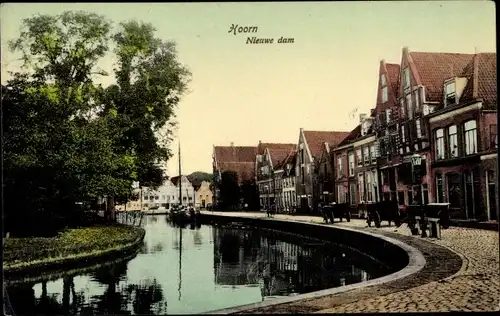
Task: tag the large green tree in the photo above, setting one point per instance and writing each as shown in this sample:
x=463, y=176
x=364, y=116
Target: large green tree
x=67, y=139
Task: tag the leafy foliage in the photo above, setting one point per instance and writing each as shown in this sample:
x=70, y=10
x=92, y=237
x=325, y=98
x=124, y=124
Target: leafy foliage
x=68, y=139
x=197, y=177
x=229, y=189
x=69, y=242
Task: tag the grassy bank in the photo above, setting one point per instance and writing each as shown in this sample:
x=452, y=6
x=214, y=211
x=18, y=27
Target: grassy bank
x=69, y=245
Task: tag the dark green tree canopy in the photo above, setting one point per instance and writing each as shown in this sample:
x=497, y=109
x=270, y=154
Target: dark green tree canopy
x=67, y=138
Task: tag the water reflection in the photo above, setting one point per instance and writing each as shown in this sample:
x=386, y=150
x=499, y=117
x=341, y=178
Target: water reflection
x=194, y=270
x=286, y=266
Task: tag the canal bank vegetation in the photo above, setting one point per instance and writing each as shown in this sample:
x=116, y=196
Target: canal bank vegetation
x=70, y=245
x=72, y=145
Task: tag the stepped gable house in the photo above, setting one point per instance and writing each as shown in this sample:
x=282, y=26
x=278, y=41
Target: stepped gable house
x=268, y=178
x=463, y=133
x=240, y=159
x=309, y=150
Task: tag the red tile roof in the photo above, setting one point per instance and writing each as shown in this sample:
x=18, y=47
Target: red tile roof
x=240, y=159
x=277, y=155
x=355, y=133
x=481, y=73
x=393, y=72
x=434, y=68
x=235, y=153
x=392, y=76
x=289, y=159
x=315, y=140
x=262, y=146
x=245, y=170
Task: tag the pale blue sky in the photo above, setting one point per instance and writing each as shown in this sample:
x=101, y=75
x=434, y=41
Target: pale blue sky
x=244, y=93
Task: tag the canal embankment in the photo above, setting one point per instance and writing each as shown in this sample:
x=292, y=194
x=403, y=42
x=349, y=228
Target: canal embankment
x=71, y=249
x=418, y=262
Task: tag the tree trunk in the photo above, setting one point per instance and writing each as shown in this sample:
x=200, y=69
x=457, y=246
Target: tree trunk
x=110, y=209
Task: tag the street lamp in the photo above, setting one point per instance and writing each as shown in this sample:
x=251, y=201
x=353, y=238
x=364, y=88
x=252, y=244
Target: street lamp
x=416, y=163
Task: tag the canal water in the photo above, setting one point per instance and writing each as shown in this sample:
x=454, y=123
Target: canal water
x=198, y=269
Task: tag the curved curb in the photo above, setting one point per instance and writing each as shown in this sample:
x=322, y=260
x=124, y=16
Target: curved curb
x=416, y=263
x=71, y=263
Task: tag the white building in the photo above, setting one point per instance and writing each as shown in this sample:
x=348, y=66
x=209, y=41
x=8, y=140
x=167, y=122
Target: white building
x=163, y=197
x=188, y=192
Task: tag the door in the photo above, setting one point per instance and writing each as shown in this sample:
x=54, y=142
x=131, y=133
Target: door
x=203, y=203
x=492, y=189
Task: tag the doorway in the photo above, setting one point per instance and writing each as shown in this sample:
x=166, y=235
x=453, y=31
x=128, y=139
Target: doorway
x=491, y=195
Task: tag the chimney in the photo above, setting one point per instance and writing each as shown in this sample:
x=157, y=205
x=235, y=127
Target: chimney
x=232, y=144
x=362, y=117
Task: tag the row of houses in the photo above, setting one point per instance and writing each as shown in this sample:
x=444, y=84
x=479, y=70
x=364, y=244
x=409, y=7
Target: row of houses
x=168, y=194
x=431, y=137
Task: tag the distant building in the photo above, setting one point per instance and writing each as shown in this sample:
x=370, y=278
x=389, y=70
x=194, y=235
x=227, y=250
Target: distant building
x=186, y=190
x=309, y=150
x=203, y=195
x=163, y=197
x=239, y=159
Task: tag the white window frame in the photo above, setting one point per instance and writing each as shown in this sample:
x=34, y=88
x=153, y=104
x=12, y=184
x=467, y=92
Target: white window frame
x=418, y=126
x=385, y=97
x=383, y=82
x=470, y=137
x=366, y=155
x=417, y=100
x=388, y=115
x=373, y=157
x=439, y=143
x=351, y=164
x=402, y=107
x=406, y=77
x=340, y=169
x=359, y=157
x=453, y=141
x=403, y=136
x=409, y=105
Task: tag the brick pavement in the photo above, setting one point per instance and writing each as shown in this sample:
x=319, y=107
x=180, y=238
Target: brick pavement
x=476, y=287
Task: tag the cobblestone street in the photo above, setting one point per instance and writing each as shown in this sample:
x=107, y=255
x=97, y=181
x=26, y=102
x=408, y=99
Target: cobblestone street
x=476, y=287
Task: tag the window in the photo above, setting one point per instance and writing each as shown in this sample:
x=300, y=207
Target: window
x=366, y=154
x=406, y=77
x=402, y=108
x=450, y=96
x=340, y=194
x=439, y=188
x=382, y=80
x=388, y=115
x=325, y=169
x=375, y=185
x=359, y=158
x=425, y=194
x=352, y=193
x=372, y=154
x=369, y=191
x=417, y=100
x=493, y=136
x=419, y=128
x=439, y=144
x=384, y=95
x=340, y=168
x=361, y=189
x=409, y=105
x=401, y=197
x=351, y=164
x=470, y=137
x=403, y=136
x=452, y=141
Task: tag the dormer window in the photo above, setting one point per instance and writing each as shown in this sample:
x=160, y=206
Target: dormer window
x=450, y=93
x=406, y=77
